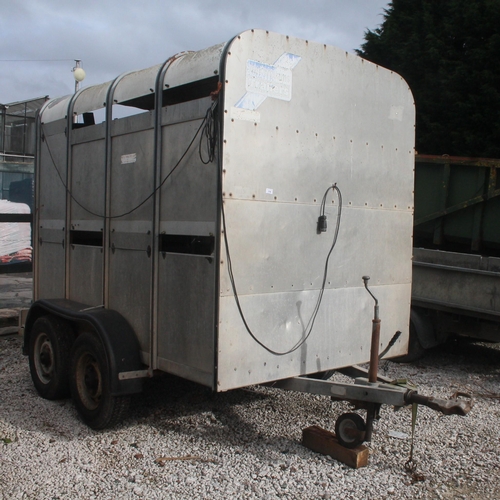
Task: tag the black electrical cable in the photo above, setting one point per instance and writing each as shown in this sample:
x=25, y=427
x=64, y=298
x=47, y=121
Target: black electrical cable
x=310, y=324
x=209, y=117
x=208, y=128
x=209, y=134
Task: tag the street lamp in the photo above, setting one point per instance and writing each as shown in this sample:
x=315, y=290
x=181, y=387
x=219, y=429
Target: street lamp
x=78, y=74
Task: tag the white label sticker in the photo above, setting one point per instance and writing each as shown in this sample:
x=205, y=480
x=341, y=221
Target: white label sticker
x=131, y=158
x=269, y=80
x=245, y=115
x=269, y=191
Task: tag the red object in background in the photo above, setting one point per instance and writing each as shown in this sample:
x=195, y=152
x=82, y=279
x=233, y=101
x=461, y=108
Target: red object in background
x=23, y=255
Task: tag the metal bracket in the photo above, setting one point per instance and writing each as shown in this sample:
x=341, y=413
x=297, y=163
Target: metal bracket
x=135, y=374
x=360, y=390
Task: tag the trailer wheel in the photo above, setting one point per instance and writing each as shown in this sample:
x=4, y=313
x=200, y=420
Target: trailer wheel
x=91, y=384
x=49, y=352
x=350, y=430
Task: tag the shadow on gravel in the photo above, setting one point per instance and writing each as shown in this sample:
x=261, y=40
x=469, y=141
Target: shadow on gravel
x=464, y=354
x=169, y=403
x=260, y=420
x=474, y=365
x=242, y=417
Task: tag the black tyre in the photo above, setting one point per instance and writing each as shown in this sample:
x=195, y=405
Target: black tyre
x=91, y=384
x=350, y=430
x=49, y=356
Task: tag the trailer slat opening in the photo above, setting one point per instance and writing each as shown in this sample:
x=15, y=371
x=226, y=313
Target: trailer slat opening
x=176, y=95
x=88, y=238
x=187, y=244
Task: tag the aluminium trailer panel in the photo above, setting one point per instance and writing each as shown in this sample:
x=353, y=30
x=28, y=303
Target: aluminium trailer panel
x=130, y=218
x=298, y=117
x=102, y=189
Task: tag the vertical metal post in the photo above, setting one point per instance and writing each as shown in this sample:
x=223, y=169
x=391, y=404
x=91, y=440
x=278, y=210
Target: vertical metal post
x=79, y=75
x=373, y=370
x=438, y=237
x=372, y=409
x=77, y=82
x=3, y=113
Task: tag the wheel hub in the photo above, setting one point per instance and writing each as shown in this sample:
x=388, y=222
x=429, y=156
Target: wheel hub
x=89, y=381
x=44, y=358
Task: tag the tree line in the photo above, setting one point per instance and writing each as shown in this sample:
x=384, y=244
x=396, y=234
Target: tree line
x=448, y=51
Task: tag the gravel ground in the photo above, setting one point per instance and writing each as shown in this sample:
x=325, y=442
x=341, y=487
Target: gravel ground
x=181, y=441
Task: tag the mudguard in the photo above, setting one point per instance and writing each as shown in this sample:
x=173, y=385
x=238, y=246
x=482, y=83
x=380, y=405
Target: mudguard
x=118, y=337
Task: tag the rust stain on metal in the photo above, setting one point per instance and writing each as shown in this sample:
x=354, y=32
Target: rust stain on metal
x=215, y=94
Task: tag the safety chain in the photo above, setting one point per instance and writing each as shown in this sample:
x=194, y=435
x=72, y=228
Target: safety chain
x=411, y=464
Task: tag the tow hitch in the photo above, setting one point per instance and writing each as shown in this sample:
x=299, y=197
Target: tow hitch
x=351, y=430
x=452, y=406
x=370, y=393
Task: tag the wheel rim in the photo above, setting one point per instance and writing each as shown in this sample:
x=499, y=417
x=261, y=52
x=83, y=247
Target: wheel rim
x=44, y=358
x=348, y=431
x=89, y=381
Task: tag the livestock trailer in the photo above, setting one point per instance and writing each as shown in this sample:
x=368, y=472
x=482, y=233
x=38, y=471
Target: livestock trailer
x=212, y=217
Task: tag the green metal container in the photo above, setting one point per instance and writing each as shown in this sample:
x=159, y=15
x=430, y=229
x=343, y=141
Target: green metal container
x=457, y=204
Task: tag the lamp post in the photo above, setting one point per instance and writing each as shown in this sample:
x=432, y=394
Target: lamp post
x=79, y=75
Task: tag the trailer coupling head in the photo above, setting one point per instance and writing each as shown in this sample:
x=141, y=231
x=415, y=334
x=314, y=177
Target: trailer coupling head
x=452, y=406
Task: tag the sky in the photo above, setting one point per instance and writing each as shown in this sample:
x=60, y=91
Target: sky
x=40, y=39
